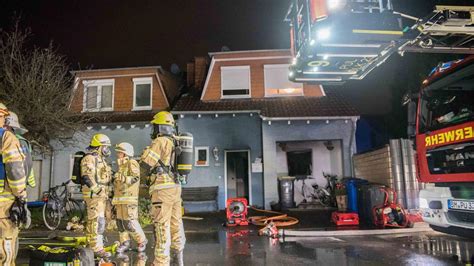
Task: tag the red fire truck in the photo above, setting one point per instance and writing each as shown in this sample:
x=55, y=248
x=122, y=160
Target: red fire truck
x=338, y=40
x=445, y=147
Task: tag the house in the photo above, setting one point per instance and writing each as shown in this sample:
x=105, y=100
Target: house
x=120, y=103
x=251, y=125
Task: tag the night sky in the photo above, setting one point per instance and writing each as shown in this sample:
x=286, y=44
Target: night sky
x=106, y=34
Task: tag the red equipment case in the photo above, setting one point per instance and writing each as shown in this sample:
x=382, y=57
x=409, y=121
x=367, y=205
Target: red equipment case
x=236, y=212
x=345, y=218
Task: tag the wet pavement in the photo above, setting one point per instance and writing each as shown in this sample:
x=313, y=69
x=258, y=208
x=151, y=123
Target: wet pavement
x=209, y=243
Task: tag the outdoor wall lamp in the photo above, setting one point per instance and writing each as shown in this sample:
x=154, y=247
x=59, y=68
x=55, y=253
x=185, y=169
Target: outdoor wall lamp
x=215, y=152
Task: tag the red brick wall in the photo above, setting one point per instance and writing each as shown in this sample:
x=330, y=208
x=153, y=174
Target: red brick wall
x=123, y=88
x=257, y=81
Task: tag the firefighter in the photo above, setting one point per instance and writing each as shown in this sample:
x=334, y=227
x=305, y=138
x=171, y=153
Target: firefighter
x=165, y=191
x=96, y=176
x=125, y=200
x=14, y=190
x=13, y=124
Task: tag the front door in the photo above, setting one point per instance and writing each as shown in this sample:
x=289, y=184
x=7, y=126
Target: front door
x=237, y=174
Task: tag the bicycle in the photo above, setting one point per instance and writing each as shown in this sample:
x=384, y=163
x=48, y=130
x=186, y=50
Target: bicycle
x=325, y=195
x=61, y=205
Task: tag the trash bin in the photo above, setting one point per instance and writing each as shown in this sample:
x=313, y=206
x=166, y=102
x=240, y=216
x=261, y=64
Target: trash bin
x=286, y=192
x=351, y=187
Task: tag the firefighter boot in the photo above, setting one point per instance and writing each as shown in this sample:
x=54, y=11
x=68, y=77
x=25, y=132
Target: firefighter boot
x=176, y=258
x=124, y=247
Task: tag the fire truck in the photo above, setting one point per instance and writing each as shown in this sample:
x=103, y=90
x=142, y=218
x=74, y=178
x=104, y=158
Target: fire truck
x=333, y=41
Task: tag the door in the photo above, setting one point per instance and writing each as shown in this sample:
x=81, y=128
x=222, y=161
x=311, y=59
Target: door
x=237, y=174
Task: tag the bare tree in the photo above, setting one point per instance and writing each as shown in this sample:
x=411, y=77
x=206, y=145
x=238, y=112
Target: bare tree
x=35, y=83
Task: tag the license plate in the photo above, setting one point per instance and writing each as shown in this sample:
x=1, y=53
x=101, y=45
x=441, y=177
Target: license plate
x=467, y=205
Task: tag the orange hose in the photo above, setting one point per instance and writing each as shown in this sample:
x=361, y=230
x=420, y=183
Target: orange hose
x=280, y=219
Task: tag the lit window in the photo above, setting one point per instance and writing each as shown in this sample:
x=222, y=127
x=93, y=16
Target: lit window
x=142, y=93
x=235, y=82
x=98, y=95
x=277, y=83
x=201, y=156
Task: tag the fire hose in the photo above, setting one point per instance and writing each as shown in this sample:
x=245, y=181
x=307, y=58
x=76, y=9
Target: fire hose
x=280, y=219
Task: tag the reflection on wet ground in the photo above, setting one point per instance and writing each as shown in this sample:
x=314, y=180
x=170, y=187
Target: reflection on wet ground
x=209, y=243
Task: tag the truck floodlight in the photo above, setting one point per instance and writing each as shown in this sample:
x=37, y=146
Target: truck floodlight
x=323, y=34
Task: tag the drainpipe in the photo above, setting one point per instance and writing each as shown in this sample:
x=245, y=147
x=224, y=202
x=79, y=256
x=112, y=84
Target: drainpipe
x=51, y=169
x=351, y=141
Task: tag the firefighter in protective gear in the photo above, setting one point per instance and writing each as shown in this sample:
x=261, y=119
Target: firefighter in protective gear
x=13, y=123
x=14, y=189
x=165, y=192
x=96, y=175
x=125, y=200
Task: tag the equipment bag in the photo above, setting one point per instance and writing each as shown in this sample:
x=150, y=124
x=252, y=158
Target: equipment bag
x=76, y=177
x=66, y=256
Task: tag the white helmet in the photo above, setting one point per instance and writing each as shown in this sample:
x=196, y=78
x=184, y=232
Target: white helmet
x=14, y=122
x=126, y=148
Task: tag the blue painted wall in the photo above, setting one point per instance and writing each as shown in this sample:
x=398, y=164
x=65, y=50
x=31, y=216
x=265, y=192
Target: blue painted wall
x=242, y=132
x=279, y=131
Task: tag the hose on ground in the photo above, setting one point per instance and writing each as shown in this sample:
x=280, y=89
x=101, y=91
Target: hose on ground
x=280, y=219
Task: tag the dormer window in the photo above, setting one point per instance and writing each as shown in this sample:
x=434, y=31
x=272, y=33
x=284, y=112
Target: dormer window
x=277, y=83
x=142, y=93
x=98, y=95
x=235, y=82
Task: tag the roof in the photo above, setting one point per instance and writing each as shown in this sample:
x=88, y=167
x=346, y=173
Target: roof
x=333, y=104
x=114, y=69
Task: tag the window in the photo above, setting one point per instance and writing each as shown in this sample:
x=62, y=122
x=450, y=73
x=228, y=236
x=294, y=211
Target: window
x=277, y=83
x=235, y=82
x=98, y=95
x=201, y=156
x=142, y=93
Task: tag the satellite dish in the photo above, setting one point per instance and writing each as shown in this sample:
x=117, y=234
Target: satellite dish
x=175, y=69
x=225, y=48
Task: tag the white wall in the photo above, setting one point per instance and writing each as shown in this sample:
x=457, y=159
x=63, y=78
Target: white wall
x=323, y=159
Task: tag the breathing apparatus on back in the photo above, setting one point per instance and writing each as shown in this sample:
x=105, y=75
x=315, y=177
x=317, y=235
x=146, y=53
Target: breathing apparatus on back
x=182, y=156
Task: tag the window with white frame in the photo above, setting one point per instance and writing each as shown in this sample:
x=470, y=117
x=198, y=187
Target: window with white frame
x=235, y=81
x=201, y=156
x=142, y=93
x=98, y=95
x=277, y=83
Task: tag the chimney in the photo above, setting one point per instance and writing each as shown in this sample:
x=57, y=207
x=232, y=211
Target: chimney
x=190, y=68
x=200, y=68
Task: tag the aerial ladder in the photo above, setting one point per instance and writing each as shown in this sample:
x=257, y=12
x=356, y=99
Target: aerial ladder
x=333, y=41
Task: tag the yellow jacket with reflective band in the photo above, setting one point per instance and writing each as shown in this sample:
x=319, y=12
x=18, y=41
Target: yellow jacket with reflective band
x=127, y=186
x=100, y=173
x=161, y=148
x=13, y=159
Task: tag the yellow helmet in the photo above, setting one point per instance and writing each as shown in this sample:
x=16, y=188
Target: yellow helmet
x=100, y=140
x=163, y=118
x=4, y=110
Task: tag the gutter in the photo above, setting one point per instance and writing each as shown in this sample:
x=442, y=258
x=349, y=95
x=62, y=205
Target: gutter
x=264, y=118
x=214, y=112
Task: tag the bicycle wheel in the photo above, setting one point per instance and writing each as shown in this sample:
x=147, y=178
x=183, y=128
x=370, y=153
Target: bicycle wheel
x=75, y=208
x=52, y=214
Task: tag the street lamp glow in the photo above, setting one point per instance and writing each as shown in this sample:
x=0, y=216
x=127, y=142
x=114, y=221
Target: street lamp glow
x=323, y=34
x=312, y=42
x=291, y=74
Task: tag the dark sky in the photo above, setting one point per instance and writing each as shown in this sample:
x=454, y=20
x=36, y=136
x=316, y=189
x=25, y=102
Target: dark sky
x=151, y=32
